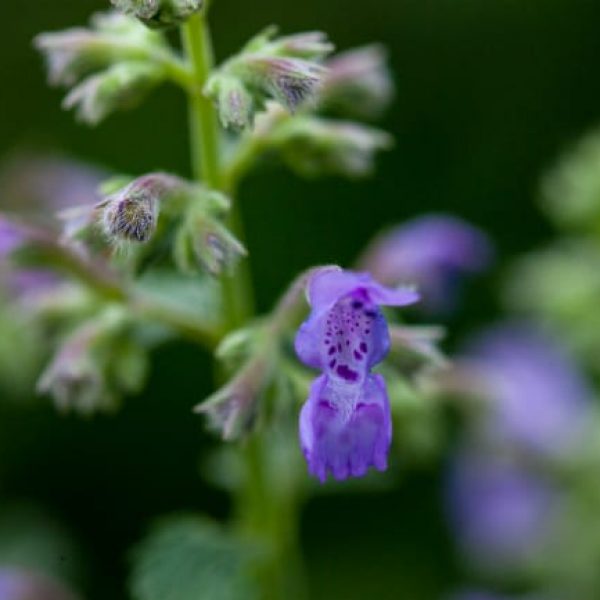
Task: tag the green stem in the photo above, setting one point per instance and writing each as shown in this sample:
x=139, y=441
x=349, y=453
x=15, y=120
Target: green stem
x=203, y=119
x=237, y=289
x=260, y=512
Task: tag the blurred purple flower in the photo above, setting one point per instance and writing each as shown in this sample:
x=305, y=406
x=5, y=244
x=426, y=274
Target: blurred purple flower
x=17, y=282
x=536, y=395
x=433, y=251
x=499, y=512
x=345, y=424
x=12, y=235
x=34, y=183
x=18, y=584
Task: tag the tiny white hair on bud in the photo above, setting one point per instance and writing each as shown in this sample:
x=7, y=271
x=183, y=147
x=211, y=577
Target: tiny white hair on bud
x=130, y=218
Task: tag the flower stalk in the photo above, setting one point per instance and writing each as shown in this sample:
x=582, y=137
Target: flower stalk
x=204, y=141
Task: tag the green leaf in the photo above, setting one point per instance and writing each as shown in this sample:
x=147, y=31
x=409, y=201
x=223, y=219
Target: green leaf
x=195, y=296
x=188, y=557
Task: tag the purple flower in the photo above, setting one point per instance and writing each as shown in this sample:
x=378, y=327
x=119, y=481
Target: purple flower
x=536, y=396
x=12, y=236
x=42, y=185
x=499, y=512
x=432, y=251
x=345, y=424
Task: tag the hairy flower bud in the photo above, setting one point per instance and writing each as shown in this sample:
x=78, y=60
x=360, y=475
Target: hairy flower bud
x=358, y=83
x=74, y=378
x=314, y=146
x=120, y=87
x=235, y=102
x=232, y=409
x=159, y=13
x=131, y=213
x=77, y=52
x=291, y=81
x=96, y=364
x=203, y=240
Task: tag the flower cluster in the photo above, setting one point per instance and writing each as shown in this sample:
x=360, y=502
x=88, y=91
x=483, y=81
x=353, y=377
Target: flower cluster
x=286, y=69
x=112, y=65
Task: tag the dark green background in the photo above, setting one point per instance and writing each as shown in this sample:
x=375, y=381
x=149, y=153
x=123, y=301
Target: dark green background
x=489, y=92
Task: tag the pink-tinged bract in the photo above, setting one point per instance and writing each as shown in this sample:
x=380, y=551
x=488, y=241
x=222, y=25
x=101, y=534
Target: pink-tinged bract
x=345, y=425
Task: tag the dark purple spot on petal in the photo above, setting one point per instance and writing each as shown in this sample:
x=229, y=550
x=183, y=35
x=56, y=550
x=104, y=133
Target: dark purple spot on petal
x=332, y=363
x=363, y=347
x=346, y=373
x=332, y=350
x=357, y=355
x=370, y=313
x=357, y=304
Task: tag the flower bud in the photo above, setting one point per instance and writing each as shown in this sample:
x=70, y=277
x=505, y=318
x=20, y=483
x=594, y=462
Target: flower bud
x=131, y=213
x=314, y=146
x=96, y=364
x=120, y=87
x=232, y=409
x=76, y=52
x=159, y=13
x=310, y=45
x=74, y=379
x=420, y=341
x=234, y=101
x=203, y=240
x=358, y=83
x=291, y=81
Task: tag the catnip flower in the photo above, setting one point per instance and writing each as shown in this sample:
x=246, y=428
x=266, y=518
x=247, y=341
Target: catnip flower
x=535, y=396
x=345, y=425
x=501, y=513
x=434, y=251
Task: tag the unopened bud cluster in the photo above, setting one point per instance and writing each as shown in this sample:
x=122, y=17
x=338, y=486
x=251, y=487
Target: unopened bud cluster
x=107, y=75
x=191, y=212
x=285, y=69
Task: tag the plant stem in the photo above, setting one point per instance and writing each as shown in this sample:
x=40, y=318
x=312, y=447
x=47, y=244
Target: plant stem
x=276, y=525
x=237, y=289
x=203, y=119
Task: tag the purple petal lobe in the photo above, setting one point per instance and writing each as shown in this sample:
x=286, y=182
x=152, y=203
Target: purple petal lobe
x=345, y=429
